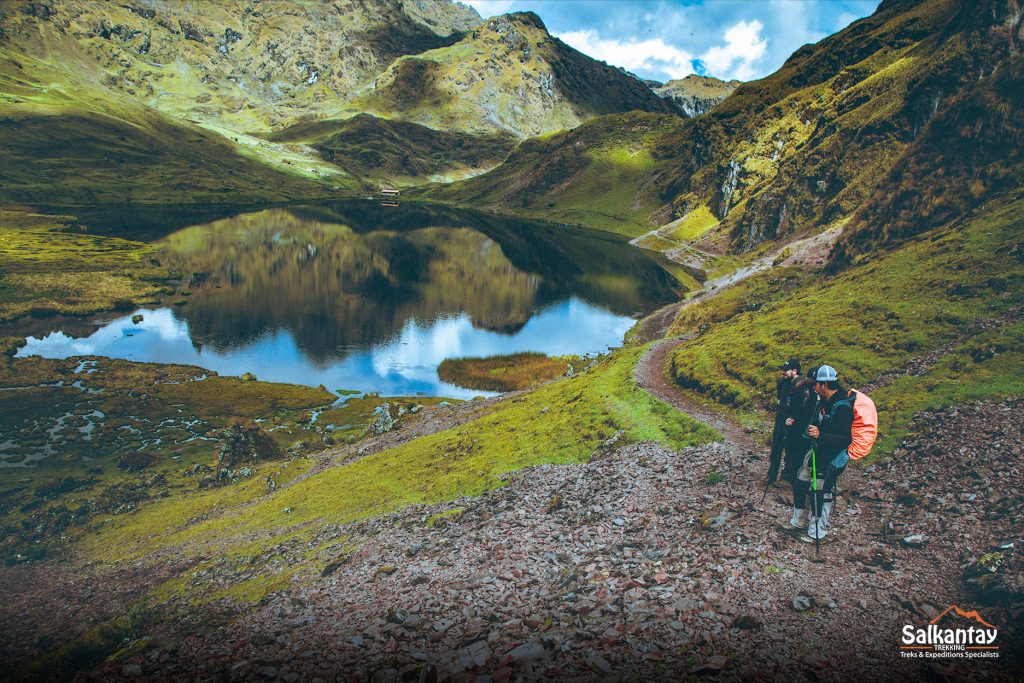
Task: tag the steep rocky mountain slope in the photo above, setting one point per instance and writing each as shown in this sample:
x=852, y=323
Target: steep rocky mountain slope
x=281, y=81
x=509, y=75
x=696, y=95
x=793, y=153
x=246, y=65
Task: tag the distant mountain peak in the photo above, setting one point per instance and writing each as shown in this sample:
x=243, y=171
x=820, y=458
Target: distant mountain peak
x=695, y=94
x=508, y=76
x=527, y=18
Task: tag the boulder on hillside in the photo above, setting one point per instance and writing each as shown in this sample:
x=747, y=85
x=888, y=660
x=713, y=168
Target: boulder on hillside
x=245, y=441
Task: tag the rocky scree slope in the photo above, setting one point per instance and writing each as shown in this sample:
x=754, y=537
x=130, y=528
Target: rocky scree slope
x=645, y=563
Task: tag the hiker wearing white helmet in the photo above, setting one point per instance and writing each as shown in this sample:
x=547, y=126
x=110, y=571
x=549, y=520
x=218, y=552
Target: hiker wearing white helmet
x=831, y=434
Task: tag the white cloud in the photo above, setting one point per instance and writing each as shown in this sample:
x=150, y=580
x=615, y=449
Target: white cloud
x=736, y=58
x=743, y=47
x=652, y=55
x=490, y=8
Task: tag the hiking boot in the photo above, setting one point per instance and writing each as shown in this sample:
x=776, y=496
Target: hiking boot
x=804, y=538
x=789, y=529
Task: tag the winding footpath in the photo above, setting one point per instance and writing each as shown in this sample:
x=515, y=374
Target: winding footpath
x=651, y=375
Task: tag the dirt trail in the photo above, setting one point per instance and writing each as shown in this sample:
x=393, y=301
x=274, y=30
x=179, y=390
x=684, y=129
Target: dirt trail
x=650, y=374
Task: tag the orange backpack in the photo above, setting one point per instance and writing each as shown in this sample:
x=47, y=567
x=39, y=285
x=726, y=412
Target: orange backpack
x=865, y=426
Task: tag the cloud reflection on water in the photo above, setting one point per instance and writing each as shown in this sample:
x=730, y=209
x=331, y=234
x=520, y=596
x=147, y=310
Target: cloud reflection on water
x=404, y=365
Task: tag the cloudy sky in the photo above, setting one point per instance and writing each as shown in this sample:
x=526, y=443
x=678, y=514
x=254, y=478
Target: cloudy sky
x=666, y=39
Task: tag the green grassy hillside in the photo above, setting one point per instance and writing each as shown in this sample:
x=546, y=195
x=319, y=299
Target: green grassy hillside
x=563, y=422
x=602, y=174
x=972, y=151
x=66, y=141
x=244, y=65
x=398, y=152
x=797, y=151
x=952, y=295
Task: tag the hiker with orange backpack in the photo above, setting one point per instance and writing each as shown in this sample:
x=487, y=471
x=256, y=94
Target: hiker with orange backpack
x=845, y=429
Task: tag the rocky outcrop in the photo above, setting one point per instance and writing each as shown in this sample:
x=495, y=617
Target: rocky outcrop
x=696, y=95
x=246, y=441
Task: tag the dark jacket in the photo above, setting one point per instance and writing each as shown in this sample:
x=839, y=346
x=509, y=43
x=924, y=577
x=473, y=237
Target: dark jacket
x=784, y=392
x=803, y=404
x=835, y=420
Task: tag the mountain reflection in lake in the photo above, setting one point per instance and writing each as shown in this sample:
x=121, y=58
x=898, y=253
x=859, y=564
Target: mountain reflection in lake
x=356, y=296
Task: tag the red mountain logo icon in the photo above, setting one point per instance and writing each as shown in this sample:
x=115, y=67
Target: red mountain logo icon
x=972, y=614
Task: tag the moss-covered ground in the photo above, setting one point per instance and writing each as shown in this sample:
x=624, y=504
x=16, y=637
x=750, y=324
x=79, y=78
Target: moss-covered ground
x=87, y=441
x=48, y=266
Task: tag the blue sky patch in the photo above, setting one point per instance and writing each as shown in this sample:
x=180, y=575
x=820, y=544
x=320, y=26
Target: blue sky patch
x=667, y=39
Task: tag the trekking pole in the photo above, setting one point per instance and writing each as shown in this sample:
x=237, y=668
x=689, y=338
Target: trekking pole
x=814, y=488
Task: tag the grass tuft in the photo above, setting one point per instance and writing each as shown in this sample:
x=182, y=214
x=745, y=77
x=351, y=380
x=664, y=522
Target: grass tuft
x=503, y=372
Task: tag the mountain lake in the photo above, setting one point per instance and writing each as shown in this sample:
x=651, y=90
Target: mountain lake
x=359, y=296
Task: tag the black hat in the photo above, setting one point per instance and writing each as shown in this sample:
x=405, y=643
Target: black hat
x=791, y=364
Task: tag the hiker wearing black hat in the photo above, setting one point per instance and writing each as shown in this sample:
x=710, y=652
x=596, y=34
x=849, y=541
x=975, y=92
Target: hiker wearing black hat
x=832, y=434
x=803, y=407
x=783, y=391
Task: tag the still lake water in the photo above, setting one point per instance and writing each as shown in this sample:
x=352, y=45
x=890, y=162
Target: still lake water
x=356, y=296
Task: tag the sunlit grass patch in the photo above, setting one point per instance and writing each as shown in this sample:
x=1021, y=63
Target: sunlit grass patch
x=562, y=422
x=46, y=268
x=692, y=225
